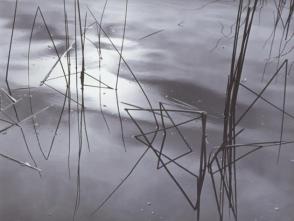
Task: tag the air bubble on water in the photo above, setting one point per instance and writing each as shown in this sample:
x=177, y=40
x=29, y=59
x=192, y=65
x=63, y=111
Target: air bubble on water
x=277, y=208
x=152, y=212
x=49, y=47
x=244, y=80
x=149, y=203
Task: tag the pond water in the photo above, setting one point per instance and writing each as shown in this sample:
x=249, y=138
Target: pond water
x=180, y=52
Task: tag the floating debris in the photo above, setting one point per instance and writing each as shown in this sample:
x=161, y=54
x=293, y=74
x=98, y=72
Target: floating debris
x=26, y=164
x=277, y=208
x=181, y=23
x=153, y=33
x=12, y=99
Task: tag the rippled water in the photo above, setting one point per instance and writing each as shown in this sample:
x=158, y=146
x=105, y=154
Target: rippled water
x=188, y=60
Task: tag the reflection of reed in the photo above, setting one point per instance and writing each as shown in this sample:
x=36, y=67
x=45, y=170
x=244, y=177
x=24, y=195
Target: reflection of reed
x=225, y=157
x=160, y=154
x=9, y=94
x=226, y=188
x=129, y=69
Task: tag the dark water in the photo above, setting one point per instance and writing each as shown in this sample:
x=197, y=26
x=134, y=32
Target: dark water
x=187, y=61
